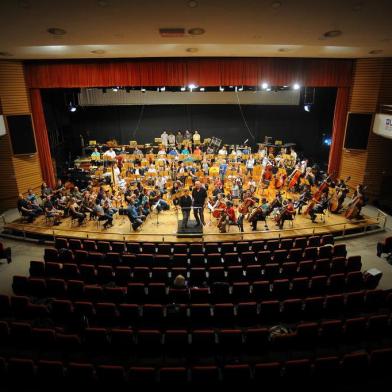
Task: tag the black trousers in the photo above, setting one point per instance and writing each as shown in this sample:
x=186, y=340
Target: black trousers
x=186, y=212
x=198, y=212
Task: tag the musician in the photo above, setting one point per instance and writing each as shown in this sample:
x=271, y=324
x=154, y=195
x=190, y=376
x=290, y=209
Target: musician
x=179, y=139
x=341, y=191
x=222, y=151
x=110, y=154
x=320, y=207
x=102, y=215
x=187, y=135
x=185, y=151
x=199, y=195
x=196, y=138
x=250, y=164
x=222, y=169
x=185, y=202
x=133, y=216
x=260, y=214
x=165, y=139
x=305, y=196
x=171, y=139
x=157, y=201
x=45, y=190
x=197, y=153
x=74, y=211
x=229, y=218
x=50, y=211
x=287, y=213
x=26, y=209
x=161, y=183
x=173, y=152
x=359, y=198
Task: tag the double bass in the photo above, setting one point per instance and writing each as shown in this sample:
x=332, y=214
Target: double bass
x=354, y=207
x=335, y=203
x=293, y=179
x=317, y=195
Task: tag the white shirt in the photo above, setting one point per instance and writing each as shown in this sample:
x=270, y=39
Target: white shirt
x=161, y=152
x=250, y=163
x=110, y=154
x=152, y=170
x=172, y=139
x=222, y=152
x=164, y=138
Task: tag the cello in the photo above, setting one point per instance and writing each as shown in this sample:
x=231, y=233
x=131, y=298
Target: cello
x=294, y=179
x=354, y=207
x=317, y=195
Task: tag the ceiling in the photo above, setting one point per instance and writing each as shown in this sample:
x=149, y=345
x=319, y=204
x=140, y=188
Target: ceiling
x=257, y=28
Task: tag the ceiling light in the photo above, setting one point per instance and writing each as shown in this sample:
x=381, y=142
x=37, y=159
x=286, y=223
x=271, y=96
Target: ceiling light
x=163, y=88
x=183, y=89
x=56, y=31
x=332, y=34
x=98, y=51
x=191, y=50
x=276, y=4
x=296, y=86
x=192, y=86
x=5, y=54
x=115, y=89
x=264, y=85
x=196, y=31
x=202, y=89
x=376, y=51
x=221, y=89
x=192, y=4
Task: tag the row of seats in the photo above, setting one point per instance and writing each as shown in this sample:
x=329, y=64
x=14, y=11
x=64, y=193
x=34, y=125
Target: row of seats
x=217, y=290
x=195, y=259
x=252, y=312
x=194, y=247
x=246, y=340
x=22, y=370
x=196, y=275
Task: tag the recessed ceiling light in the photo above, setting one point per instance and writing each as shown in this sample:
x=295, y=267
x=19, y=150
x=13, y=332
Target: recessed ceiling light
x=191, y=50
x=99, y=51
x=192, y=3
x=376, y=51
x=5, y=54
x=332, y=34
x=196, y=31
x=276, y=4
x=56, y=31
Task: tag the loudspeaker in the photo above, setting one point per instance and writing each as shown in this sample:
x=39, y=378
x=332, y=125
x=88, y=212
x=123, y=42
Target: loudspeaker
x=2, y=126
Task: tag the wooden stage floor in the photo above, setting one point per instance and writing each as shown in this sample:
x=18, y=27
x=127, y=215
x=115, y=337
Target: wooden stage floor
x=163, y=228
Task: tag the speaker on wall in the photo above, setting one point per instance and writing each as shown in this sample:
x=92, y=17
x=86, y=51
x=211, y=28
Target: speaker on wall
x=20, y=128
x=2, y=125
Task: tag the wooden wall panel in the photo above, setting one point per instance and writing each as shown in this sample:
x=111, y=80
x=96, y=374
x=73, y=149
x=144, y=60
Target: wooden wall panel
x=21, y=172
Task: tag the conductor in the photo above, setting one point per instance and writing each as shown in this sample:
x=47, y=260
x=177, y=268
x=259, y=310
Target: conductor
x=199, y=195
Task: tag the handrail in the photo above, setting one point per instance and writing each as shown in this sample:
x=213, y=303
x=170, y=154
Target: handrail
x=380, y=220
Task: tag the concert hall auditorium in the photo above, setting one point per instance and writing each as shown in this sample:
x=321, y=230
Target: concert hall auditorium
x=194, y=193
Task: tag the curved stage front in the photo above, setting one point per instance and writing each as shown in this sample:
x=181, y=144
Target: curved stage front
x=163, y=227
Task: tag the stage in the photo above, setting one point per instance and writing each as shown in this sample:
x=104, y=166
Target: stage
x=164, y=228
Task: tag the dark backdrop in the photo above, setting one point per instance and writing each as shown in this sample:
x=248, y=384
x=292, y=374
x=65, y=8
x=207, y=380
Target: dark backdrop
x=125, y=123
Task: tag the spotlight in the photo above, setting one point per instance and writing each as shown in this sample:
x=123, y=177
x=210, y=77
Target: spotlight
x=182, y=88
x=143, y=90
x=296, y=86
x=307, y=108
x=327, y=141
x=71, y=107
x=221, y=89
x=163, y=88
x=202, y=89
x=264, y=85
x=115, y=89
x=192, y=86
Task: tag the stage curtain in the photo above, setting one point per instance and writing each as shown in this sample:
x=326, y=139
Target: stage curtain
x=178, y=72
x=41, y=136
x=339, y=124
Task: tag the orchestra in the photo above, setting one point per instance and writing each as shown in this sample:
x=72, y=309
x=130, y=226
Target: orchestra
x=272, y=183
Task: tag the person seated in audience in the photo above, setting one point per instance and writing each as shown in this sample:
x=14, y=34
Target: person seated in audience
x=185, y=151
x=196, y=138
x=51, y=211
x=197, y=153
x=26, y=209
x=162, y=152
x=165, y=139
x=180, y=282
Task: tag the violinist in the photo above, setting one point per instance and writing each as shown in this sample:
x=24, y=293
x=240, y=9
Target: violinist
x=319, y=207
x=287, y=213
x=341, y=191
x=305, y=196
x=260, y=214
x=219, y=205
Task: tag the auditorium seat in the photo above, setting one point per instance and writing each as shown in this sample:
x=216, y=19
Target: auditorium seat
x=111, y=376
x=205, y=375
x=173, y=375
x=236, y=374
x=50, y=372
x=122, y=339
x=298, y=370
x=81, y=374
x=267, y=372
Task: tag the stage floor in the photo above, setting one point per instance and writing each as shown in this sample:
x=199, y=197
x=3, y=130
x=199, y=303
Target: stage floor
x=162, y=227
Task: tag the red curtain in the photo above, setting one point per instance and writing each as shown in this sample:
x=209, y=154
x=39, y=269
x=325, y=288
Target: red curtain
x=41, y=135
x=179, y=72
x=339, y=124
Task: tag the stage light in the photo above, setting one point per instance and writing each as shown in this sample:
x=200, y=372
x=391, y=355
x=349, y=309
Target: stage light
x=327, y=141
x=221, y=89
x=307, y=108
x=192, y=86
x=143, y=90
x=202, y=89
x=115, y=89
x=268, y=89
x=296, y=86
x=183, y=89
x=241, y=88
x=264, y=85
x=163, y=88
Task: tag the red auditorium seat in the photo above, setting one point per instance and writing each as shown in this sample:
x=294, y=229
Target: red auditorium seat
x=111, y=376
x=80, y=373
x=236, y=373
x=206, y=375
x=49, y=371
